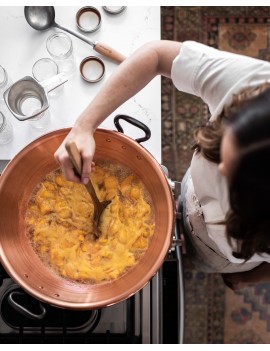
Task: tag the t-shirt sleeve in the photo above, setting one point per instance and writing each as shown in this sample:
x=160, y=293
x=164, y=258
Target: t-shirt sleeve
x=212, y=74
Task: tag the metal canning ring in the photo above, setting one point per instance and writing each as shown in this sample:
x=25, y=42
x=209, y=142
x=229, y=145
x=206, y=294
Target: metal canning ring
x=88, y=19
x=92, y=69
x=114, y=10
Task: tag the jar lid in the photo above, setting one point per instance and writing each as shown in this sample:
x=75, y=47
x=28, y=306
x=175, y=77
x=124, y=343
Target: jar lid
x=92, y=69
x=114, y=10
x=88, y=19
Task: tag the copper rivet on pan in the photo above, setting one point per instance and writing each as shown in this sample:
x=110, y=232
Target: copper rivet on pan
x=92, y=69
x=88, y=19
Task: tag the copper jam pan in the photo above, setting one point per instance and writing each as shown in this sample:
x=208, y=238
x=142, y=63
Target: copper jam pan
x=17, y=182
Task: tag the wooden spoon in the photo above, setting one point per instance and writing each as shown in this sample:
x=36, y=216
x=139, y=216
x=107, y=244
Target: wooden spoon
x=99, y=207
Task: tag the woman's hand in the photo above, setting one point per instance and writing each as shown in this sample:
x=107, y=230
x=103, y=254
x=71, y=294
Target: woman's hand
x=86, y=145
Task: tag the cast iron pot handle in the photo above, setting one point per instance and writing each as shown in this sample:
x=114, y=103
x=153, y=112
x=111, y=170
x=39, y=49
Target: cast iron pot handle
x=23, y=310
x=135, y=123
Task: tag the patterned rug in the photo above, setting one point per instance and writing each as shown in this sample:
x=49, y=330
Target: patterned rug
x=214, y=314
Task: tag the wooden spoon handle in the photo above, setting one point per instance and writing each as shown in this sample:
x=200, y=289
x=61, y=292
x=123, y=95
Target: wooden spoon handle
x=76, y=160
x=75, y=156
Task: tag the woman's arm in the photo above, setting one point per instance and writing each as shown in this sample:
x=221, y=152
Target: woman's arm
x=130, y=77
x=259, y=274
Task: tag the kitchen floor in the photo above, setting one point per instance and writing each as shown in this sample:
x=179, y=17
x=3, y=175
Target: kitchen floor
x=222, y=316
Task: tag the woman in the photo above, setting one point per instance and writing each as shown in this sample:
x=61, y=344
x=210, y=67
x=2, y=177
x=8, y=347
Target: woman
x=226, y=209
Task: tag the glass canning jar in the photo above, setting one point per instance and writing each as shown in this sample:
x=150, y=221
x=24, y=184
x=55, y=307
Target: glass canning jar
x=5, y=81
x=6, y=129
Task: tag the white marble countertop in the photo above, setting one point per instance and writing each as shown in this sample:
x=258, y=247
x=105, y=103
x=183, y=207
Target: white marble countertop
x=21, y=46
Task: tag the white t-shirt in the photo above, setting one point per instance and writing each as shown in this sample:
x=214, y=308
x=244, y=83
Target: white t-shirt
x=215, y=76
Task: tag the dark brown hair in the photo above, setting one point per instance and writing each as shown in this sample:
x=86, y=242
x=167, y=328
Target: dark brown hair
x=248, y=117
